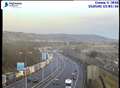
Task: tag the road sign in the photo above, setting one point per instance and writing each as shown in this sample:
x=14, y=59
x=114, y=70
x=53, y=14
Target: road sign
x=20, y=66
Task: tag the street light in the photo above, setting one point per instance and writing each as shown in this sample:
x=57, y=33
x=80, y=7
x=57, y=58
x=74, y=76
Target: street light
x=43, y=54
x=25, y=69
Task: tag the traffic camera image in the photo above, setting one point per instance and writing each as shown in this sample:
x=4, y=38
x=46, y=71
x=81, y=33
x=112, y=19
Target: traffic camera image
x=60, y=44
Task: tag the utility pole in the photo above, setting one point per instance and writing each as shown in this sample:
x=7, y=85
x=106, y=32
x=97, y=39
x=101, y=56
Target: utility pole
x=57, y=63
x=42, y=73
x=43, y=66
x=25, y=73
x=51, y=63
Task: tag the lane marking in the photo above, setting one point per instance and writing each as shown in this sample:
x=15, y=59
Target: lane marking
x=56, y=76
x=77, y=76
x=14, y=83
x=61, y=73
x=77, y=70
x=53, y=79
x=17, y=82
x=45, y=79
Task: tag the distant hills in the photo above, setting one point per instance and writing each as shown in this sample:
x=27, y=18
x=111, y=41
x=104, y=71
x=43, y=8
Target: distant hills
x=15, y=36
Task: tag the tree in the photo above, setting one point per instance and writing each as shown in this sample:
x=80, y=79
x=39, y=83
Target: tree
x=93, y=54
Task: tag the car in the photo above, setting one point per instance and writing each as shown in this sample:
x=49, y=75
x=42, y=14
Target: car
x=56, y=81
x=4, y=80
x=34, y=80
x=75, y=71
x=68, y=83
x=29, y=79
x=74, y=76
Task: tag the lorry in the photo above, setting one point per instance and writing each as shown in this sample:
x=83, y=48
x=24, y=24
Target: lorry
x=68, y=83
x=3, y=80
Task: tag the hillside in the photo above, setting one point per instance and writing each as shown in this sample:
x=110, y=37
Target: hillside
x=54, y=37
x=16, y=42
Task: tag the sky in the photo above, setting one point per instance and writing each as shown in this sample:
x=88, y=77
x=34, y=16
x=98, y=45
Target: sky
x=62, y=17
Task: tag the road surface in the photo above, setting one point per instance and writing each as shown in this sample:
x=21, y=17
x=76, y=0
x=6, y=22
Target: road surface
x=69, y=68
x=56, y=72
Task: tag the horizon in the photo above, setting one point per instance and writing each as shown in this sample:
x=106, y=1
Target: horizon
x=62, y=34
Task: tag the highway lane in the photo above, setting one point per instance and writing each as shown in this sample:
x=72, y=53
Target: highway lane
x=38, y=75
x=70, y=67
x=66, y=72
x=59, y=65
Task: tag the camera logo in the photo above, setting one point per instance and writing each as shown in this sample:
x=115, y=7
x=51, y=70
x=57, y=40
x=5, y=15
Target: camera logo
x=6, y=4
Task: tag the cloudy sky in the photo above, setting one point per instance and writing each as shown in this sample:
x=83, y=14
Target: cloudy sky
x=62, y=17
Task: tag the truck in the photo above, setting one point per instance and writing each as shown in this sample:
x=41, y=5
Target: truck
x=68, y=83
x=3, y=80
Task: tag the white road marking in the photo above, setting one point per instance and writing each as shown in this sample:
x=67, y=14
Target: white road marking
x=44, y=79
x=56, y=76
x=47, y=77
x=77, y=76
x=14, y=83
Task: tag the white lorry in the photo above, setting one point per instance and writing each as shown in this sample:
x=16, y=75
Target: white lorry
x=3, y=80
x=68, y=83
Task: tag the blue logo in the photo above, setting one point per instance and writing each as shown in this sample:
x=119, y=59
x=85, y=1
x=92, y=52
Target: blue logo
x=6, y=4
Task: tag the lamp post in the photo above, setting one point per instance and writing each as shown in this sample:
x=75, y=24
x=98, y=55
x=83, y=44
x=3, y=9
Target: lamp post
x=43, y=52
x=26, y=69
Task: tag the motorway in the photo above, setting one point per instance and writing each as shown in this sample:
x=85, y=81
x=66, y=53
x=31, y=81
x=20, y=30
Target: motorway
x=56, y=72
x=69, y=68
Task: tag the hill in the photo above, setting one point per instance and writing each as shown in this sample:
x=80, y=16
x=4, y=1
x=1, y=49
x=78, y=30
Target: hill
x=14, y=36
